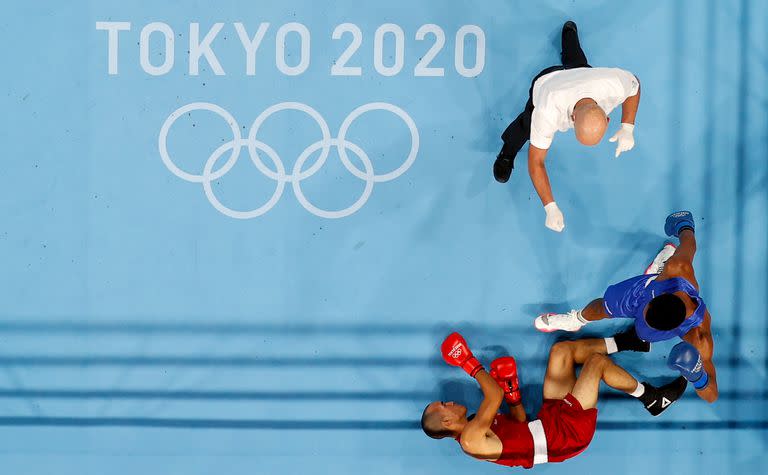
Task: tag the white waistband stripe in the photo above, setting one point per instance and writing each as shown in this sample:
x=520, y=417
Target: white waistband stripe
x=539, y=442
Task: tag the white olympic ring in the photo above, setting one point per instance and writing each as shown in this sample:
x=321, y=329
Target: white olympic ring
x=279, y=175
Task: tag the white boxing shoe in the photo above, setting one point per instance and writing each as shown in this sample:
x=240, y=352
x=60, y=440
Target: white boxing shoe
x=657, y=266
x=550, y=322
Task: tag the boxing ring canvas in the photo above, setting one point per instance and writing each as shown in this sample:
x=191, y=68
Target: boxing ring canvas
x=234, y=233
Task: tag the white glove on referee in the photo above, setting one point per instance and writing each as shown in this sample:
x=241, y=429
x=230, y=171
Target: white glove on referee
x=554, y=220
x=624, y=137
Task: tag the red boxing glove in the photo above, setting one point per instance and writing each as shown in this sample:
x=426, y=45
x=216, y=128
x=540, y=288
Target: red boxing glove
x=504, y=371
x=456, y=353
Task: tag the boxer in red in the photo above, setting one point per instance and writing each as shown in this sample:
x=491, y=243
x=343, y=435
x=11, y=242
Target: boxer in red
x=566, y=422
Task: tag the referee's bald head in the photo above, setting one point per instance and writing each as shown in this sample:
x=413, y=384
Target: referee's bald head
x=589, y=122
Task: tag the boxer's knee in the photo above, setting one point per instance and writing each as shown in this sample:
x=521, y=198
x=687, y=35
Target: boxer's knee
x=596, y=362
x=562, y=352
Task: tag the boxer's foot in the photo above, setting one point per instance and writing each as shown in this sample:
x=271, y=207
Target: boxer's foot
x=550, y=322
x=502, y=168
x=657, y=266
x=567, y=27
x=657, y=400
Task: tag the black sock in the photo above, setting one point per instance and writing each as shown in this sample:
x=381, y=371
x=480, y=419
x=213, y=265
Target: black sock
x=629, y=341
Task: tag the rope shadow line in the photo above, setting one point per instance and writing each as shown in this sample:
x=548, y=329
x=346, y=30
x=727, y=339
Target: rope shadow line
x=255, y=361
x=234, y=328
x=255, y=424
x=415, y=396
x=132, y=327
x=236, y=361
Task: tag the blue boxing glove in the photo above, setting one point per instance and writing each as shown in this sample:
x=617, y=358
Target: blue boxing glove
x=685, y=358
x=678, y=221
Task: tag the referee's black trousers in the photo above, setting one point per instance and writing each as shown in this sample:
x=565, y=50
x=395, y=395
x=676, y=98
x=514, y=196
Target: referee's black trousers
x=519, y=131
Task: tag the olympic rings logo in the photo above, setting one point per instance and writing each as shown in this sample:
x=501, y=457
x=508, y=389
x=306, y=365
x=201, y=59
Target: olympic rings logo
x=255, y=146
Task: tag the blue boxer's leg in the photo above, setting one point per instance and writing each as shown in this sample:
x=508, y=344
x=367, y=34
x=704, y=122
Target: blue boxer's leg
x=621, y=300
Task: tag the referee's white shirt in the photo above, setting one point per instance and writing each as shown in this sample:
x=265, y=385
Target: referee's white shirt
x=555, y=94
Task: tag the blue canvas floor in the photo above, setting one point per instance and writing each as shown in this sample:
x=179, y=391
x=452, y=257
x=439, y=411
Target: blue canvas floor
x=143, y=330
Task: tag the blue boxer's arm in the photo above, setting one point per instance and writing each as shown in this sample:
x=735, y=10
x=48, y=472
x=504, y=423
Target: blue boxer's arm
x=687, y=360
x=681, y=224
x=701, y=338
x=678, y=221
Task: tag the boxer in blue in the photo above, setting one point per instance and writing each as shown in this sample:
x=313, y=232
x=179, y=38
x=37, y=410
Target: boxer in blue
x=663, y=305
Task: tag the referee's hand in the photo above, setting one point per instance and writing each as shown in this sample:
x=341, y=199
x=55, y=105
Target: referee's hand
x=624, y=138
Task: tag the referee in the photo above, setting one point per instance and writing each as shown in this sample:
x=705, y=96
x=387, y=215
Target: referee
x=572, y=95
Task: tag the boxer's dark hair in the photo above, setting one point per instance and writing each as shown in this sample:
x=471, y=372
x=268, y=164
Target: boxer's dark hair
x=665, y=312
x=427, y=424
